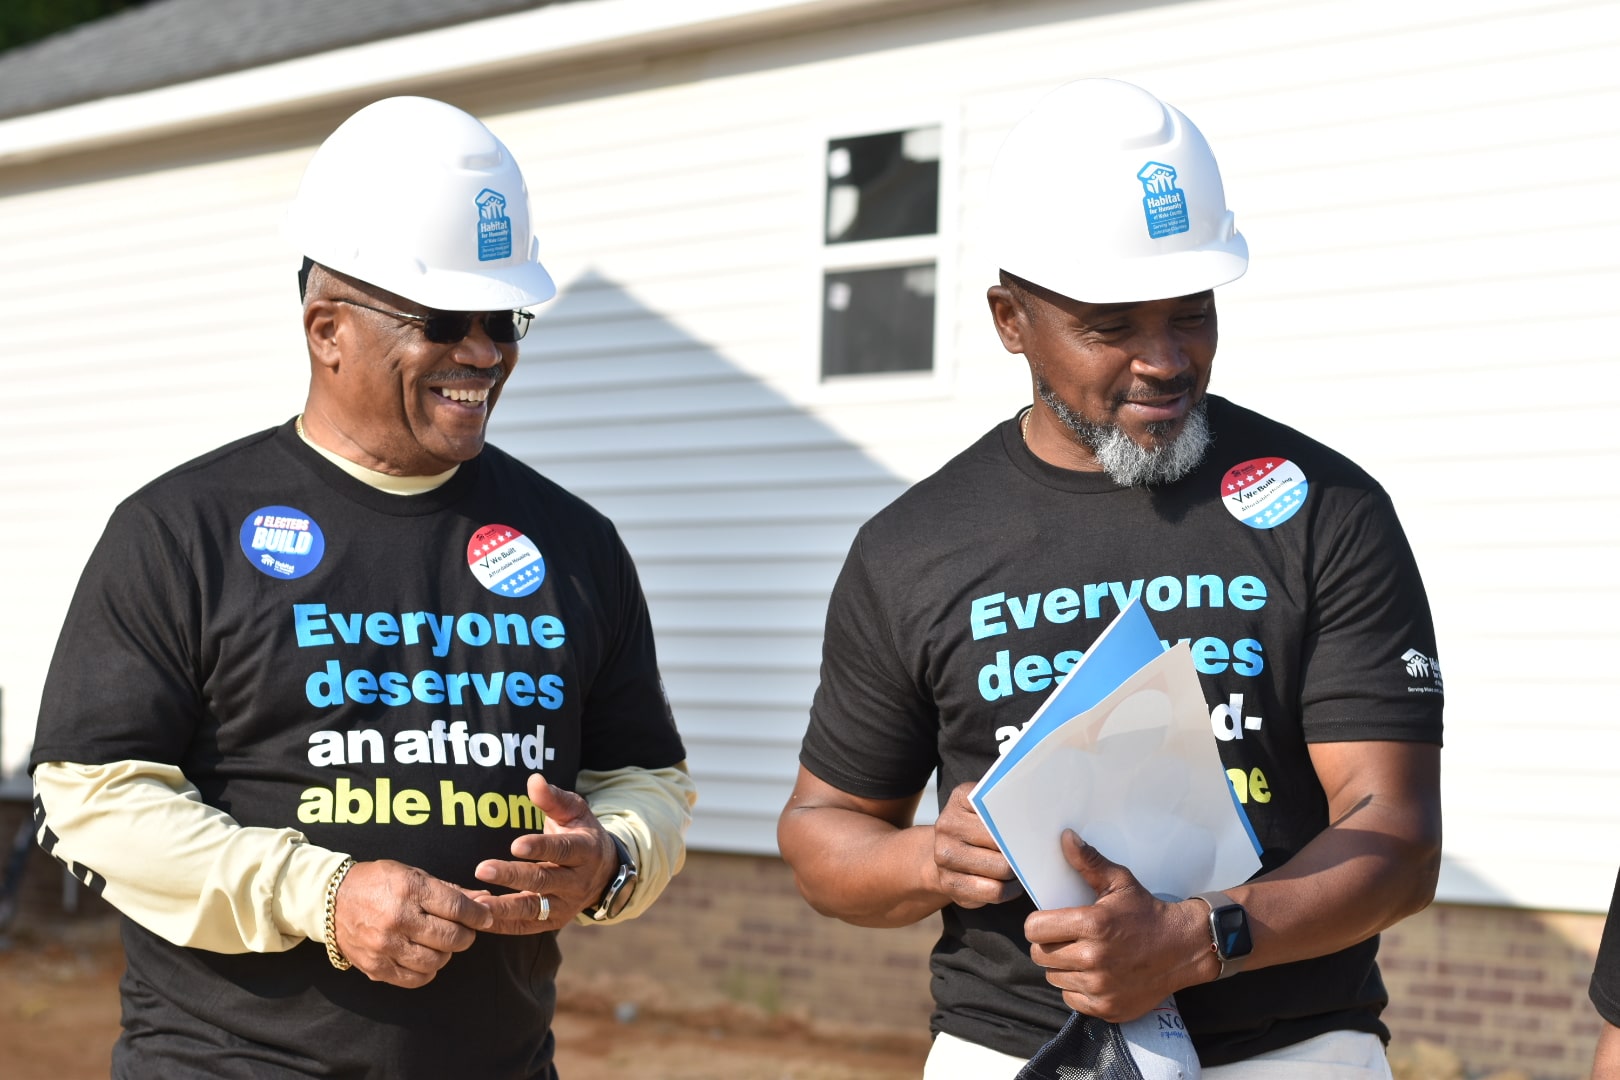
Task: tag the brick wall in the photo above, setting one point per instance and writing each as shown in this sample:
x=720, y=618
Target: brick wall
x=1503, y=989
x=732, y=928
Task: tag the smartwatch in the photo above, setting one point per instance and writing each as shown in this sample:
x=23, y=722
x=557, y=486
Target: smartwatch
x=617, y=895
x=1229, y=932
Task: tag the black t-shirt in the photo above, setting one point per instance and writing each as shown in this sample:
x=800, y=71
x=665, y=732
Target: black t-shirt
x=964, y=602
x=1605, y=988
x=382, y=673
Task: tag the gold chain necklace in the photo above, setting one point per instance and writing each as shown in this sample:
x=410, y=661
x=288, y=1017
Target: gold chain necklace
x=1023, y=425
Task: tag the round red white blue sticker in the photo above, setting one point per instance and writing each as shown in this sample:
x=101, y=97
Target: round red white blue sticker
x=1264, y=492
x=282, y=542
x=505, y=561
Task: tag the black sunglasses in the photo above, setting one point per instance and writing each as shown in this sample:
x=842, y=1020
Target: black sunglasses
x=450, y=327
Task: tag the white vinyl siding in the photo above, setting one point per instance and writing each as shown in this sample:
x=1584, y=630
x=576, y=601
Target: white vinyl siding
x=1430, y=196
x=150, y=315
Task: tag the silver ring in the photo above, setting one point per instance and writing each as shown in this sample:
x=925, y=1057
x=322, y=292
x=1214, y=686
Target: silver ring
x=545, y=909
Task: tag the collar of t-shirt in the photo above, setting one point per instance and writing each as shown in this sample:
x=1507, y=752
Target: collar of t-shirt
x=393, y=485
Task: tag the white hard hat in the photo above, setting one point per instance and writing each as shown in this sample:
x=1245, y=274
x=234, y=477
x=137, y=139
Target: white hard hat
x=419, y=198
x=1105, y=194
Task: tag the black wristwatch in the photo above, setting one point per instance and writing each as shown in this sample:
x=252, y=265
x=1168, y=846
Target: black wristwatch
x=1228, y=931
x=617, y=895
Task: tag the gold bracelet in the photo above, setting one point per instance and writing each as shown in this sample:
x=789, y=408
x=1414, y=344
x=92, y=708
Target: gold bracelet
x=333, y=953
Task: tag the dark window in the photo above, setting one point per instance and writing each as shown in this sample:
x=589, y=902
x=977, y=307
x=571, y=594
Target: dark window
x=880, y=260
x=880, y=186
x=878, y=320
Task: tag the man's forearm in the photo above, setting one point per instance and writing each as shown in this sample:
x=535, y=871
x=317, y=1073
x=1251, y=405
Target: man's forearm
x=858, y=868
x=186, y=871
x=1346, y=885
x=1375, y=864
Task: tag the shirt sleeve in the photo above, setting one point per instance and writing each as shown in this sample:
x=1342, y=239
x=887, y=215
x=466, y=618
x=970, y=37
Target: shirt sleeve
x=1371, y=661
x=874, y=728
x=182, y=869
x=627, y=721
x=648, y=809
x=1605, y=987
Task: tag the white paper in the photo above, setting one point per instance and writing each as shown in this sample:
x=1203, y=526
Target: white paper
x=1138, y=777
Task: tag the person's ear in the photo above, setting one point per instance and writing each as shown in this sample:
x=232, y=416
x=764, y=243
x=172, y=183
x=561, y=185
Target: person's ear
x=1011, y=316
x=323, y=329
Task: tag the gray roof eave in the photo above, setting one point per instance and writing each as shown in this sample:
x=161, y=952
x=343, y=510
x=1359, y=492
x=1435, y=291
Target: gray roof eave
x=552, y=34
x=164, y=42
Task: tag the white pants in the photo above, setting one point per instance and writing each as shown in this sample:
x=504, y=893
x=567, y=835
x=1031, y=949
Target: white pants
x=1338, y=1055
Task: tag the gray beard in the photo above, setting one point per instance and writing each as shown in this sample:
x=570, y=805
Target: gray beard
x=1128, y=464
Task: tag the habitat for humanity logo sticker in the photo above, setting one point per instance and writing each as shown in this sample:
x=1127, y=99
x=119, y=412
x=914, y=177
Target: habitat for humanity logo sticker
x=1163, y=202
x=505, y=561
x=494, y=227
x=1265, y=492
x=282, y=542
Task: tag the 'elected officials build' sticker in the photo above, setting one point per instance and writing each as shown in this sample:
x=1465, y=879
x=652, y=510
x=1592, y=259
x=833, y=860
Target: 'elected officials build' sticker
x=282, y=542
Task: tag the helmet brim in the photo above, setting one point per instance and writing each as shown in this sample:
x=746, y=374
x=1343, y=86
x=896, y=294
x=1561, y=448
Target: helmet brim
x=1128, y=281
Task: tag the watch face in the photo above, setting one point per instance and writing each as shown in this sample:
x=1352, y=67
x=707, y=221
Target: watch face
x=1231, y=926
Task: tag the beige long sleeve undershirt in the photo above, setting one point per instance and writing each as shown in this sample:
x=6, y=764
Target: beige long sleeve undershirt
x=193, y=875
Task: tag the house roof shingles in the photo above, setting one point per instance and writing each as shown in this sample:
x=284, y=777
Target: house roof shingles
x=174, y=41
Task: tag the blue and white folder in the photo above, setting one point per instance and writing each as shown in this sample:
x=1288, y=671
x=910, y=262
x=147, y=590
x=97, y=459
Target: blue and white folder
x=1122, y=753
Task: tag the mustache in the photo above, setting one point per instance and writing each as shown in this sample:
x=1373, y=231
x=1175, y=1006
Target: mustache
x=461, y=374
x=1148, y=389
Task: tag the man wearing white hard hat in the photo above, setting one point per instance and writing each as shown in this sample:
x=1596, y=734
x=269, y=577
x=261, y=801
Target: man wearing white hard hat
x=963, y=604
x=351, y=716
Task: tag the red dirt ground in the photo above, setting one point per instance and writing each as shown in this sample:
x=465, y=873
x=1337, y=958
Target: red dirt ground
x=59, y=1019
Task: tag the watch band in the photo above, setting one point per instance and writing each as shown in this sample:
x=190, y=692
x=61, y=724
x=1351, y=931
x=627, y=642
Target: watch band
x=617, y=895
x=1236, y=962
